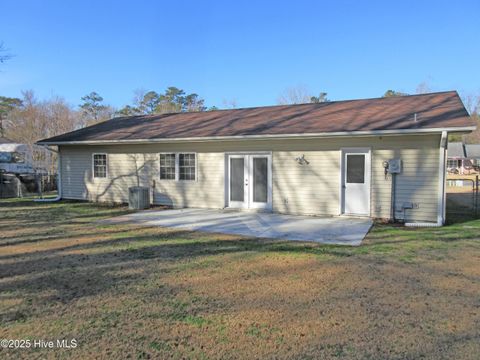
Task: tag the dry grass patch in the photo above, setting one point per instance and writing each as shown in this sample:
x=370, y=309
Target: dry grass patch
x=127, y=291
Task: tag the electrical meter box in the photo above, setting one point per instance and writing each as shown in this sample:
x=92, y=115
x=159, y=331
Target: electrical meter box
x=394, y=166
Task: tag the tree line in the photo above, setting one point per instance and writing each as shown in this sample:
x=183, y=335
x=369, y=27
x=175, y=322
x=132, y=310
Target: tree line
x=28, y=119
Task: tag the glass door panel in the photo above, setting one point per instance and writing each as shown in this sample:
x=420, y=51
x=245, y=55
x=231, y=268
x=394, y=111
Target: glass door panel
x=260, y=179
x=237, y=175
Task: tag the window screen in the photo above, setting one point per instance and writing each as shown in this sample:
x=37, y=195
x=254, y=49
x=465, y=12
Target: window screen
x=355, y=169
x=167, y=166
x=186, y=166
x=99, y=165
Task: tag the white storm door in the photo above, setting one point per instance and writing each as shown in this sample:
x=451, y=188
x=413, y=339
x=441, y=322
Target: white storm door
x=238, y=181
x=356, y=182
x=259, y=183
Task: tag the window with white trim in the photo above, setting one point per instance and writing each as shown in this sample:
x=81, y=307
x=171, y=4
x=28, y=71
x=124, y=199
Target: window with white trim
x=186, y=166
x=452, y=164
x=178, y=166
x=99, y=165
x=167, y=166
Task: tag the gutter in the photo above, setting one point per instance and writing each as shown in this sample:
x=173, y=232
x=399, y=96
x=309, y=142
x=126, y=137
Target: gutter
x=441, y=201
x=59, y=179
x=266, y=137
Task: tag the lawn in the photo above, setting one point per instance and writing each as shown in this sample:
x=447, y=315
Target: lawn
x=148, y=292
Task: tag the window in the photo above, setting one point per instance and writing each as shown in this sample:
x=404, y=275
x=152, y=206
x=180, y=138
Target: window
x=5, y=157
x=18, y=157
x=186, y=166
x=99, y=165
x=12, y=157
x=355, y=169
x=167, y=166
x=178, y=166
x=452, y=164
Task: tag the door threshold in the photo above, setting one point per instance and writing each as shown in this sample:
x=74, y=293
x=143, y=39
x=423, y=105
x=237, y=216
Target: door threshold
x=230, y=209
x=354, y=215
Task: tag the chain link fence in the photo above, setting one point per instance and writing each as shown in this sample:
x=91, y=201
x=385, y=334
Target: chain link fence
x=463, y=197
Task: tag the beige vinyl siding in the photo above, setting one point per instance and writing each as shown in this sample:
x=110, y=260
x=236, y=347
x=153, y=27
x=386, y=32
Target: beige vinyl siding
x=297, y=189
x=207, y=191
x=417, y=182
x=74, y=176
x=306, y=189
x=140, y=169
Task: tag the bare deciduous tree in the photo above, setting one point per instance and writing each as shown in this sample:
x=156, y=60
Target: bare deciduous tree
x=423, y=88
x=299, y=94
x=472, y=104
x=138, y=96
x=35, y=120
x=229, y=103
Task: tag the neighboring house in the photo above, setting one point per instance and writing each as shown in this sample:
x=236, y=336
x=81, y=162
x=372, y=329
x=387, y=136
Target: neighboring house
x=473, y=153
x=463, y=158
x=316, y=159
x=455, y=157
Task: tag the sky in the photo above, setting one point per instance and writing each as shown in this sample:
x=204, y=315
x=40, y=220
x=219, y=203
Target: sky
x=243, y=51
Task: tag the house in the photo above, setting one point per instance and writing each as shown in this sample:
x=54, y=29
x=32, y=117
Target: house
x=328, y=158
x=472, y=152
x=463, y=158
x=455, y=157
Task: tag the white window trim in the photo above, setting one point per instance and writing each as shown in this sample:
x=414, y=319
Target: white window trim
x=106, y=166
x=177, y=166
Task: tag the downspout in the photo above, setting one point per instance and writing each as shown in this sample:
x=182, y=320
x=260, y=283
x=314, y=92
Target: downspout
x=59, y=178
x=441, y=202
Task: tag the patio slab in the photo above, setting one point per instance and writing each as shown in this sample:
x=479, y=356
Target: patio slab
x=325, y=230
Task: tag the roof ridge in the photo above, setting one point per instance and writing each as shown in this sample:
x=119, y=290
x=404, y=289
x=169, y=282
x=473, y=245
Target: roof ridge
x=294, y=105
x=439, y=110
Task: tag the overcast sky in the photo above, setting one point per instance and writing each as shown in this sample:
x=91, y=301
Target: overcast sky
x=238, y=50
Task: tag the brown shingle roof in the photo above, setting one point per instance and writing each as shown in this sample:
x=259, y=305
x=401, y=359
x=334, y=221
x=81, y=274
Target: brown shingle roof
x=436, y=110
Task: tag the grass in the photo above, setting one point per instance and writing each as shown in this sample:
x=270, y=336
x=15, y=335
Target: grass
x=130, y=291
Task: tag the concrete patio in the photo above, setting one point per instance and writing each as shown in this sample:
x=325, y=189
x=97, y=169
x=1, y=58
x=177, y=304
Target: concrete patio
x=325, y=230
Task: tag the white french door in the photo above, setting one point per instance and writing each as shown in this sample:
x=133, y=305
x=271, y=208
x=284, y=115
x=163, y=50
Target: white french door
x=356, y=181
x=249, y=180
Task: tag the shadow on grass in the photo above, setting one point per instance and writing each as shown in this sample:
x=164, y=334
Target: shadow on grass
x=70, y=270
x=84, y=269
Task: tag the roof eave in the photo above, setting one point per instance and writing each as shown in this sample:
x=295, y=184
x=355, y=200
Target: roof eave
x=464, y=129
